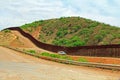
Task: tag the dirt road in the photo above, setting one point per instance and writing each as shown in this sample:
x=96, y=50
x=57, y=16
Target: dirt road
x=17, y=66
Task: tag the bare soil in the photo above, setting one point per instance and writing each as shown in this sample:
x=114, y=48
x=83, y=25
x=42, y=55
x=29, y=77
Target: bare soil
x=16, y=40
x=36, y=32
x=106, y=60
x=24, y=43
x=18, y=66
x=21, y=41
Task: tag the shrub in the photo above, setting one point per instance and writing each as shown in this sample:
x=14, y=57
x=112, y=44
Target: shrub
x=62, y=32
x=82, y=60
x=31, y=51
x=86, y=32
x=94, y=24
x=99, y=37
x=60, y=42
x=55, y=56
x=74, y=29
x=75, y=41
x=72, y=42
x=44, y=54
x=116, y=35
x=7, y=31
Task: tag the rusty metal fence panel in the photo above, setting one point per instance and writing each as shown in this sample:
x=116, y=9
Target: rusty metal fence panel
x=95, y=50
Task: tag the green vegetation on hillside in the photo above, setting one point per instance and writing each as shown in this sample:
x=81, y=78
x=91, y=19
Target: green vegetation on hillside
x=31, y=26
x=6, y=31
x=74, y=41
x=74, y=31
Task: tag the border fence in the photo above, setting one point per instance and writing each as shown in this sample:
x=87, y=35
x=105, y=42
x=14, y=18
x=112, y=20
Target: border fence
x=97, y=50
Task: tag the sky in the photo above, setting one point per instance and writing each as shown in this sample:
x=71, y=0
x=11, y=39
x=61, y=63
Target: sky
x=18, y=12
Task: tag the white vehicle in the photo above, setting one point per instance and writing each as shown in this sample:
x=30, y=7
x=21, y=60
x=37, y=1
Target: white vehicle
x=61, y=52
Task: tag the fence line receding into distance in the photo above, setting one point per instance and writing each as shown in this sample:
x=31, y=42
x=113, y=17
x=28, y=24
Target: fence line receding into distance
x=97, y=50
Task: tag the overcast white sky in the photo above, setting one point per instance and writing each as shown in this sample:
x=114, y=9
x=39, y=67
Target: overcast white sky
x=18, y=12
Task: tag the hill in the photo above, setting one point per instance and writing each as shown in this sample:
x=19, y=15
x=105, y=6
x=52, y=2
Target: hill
x=14, y=39
x=73, y=31
x=66, y=31
x=6, y=37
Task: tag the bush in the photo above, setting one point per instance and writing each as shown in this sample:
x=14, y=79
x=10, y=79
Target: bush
x=82, y=60
x=116, y=35
x=60, y=42
x=86, y=32
x=94, y=24
x=62, y=32
x=55, y=56
x=7, y=31
x=72, y=42
x=75, y=41
x=99, y=37
x=31, y=51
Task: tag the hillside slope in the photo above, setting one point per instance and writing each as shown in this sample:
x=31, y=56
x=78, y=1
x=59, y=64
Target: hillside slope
x=73, y=31
x=15, y=39
x=6, y=37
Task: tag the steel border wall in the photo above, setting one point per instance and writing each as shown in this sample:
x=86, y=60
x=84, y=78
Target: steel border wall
x=97, y=50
